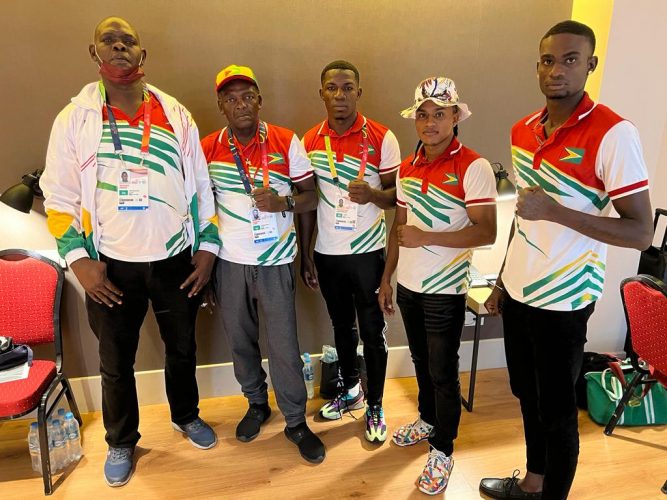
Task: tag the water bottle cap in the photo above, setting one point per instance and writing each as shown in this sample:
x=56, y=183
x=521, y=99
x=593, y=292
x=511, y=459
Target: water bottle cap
x=55, y=421
x=34, y=425
x=306, y=356
x=61, y=411
x=69, y=415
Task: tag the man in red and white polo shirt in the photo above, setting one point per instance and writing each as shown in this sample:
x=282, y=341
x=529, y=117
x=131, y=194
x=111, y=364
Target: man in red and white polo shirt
x=573, y=160
x=254, y=167
x=445, y=206
x=355, y=161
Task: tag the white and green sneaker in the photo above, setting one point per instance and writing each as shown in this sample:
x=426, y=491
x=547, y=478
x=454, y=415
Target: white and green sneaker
x=376, y=427
x=412, y=433
x=334, y=409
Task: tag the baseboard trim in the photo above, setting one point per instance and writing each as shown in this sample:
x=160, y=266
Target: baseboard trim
x=218, y=379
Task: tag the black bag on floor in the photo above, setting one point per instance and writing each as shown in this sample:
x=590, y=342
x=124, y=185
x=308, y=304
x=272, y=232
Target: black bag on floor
x=331, y=380
x=593, y=362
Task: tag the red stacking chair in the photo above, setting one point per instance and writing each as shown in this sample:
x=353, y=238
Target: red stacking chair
x=645, y=303
x=30, y=291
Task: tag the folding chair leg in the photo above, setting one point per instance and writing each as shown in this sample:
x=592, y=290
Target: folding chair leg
x=71, y=401
x=44, y=450
x=629, y=390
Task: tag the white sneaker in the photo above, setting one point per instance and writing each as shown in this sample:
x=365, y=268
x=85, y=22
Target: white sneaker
x=412, y=433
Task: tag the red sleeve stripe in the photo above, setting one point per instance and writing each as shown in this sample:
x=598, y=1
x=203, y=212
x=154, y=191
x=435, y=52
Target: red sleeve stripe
x=389, y=170
x=401, y=203
x=626, y=190
x=302, y=177
x=480, y=201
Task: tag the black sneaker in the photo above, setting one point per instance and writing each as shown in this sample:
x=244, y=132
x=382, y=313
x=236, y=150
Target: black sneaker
x=310, y=446
x=248, y=428
x=505, y=488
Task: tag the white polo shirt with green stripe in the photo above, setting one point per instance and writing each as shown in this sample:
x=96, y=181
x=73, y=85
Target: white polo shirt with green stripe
x=384, y=157
x=593, y=158
x=288, y=165
x=436, y=195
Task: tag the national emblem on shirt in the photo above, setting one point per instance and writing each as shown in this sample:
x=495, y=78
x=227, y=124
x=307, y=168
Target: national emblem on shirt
x=451, y=180
x=276, y=159
x=573, y=155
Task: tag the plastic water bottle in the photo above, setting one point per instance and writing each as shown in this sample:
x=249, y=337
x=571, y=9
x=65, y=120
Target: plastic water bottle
x=73, y=437
x=308, y=375
x=59, y=459
x=33, y=446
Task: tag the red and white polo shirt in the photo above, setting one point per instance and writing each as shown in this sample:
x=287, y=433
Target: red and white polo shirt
x=384, y=157
x=288, y=164
x=436, y=195
x=593, y=158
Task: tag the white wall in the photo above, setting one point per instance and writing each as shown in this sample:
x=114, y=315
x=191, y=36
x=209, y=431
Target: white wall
x=634, y=86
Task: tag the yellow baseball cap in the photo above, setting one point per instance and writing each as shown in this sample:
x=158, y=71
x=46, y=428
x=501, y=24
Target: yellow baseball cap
x=234, y=72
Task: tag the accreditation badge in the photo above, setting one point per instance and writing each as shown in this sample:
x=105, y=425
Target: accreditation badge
x=133, y=189
x=345, y=214
x=264, y=226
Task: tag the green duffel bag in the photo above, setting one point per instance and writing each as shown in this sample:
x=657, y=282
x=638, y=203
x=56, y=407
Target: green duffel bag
x=605, y=389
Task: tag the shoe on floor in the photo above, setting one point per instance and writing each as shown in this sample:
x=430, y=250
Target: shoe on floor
x=248, y=428
x=505, y=488
x=118, y=466
x=310, y=446
x=412, y=433
x=435, y=476
x=199, y=433
x=376, y=427
x=342, y=403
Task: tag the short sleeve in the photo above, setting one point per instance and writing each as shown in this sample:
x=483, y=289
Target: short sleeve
x=479, y=184
x=620, y=162
x=299, y=165
x=390, y=154
x=401, y=201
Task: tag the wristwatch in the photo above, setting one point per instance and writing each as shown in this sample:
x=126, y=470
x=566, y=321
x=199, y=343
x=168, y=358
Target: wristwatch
x=290, y=203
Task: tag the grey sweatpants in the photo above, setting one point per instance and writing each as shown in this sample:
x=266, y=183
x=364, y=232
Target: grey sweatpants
x=244, y=292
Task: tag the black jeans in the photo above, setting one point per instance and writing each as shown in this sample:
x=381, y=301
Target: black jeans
x=433, y=324
x=117, y=330
x=544, y=351
x=348, y=284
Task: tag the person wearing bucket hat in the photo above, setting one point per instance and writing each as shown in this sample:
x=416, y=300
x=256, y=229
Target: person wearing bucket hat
x=570, y=160
x=128, y=247
x=445, y=206
x=254, y=167
x=355, y=160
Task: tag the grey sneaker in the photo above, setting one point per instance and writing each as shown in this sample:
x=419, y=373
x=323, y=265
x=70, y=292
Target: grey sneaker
x=199, y=433
x=118, y=466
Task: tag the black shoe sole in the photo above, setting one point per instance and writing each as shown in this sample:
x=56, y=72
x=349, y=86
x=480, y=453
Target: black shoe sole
x=317, y=460
x=247, y=439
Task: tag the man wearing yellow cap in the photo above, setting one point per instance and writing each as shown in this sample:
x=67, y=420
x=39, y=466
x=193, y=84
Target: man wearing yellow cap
x=261, y=176
x=128, y=199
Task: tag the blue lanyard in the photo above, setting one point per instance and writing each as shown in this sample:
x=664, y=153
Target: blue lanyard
x=243, y=173
x=113, y=127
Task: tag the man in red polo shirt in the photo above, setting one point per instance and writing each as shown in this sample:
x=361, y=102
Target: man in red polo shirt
x=445, y=206
x=254, y=167
x=573, y=160
x=355, y=161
